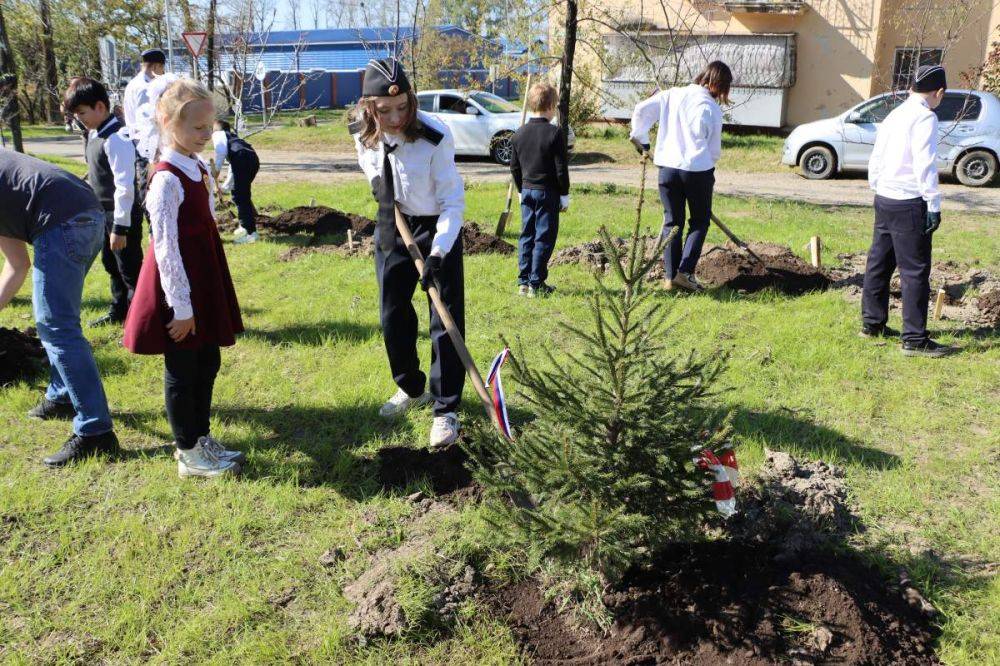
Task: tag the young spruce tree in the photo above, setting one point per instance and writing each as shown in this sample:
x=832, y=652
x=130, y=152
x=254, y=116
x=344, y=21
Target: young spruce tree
x=604, y=473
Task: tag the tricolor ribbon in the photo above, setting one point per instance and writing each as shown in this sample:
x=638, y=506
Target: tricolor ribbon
x=722, y=487
x=728, y=459
x=499, y=400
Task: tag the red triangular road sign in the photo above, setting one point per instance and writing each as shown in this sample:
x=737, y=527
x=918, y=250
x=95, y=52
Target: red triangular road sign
x=195, y=42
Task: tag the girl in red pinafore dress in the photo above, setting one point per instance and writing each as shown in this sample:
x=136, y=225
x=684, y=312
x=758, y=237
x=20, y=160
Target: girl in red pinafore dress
x=185, y=306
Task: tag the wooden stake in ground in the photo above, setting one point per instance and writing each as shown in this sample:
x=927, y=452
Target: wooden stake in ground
x=815, y=250
x=502, y=222
x=939, y=304
x=449, y=323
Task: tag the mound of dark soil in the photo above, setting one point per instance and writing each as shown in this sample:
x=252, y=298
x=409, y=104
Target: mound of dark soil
x=720, y=266
x=477, y=241
x=21, y=355
x=728, y=266
x=989, y=308
x=445, y=470
x=777, y=589
x=316, y=220
x=227, y=221
x=721, y=602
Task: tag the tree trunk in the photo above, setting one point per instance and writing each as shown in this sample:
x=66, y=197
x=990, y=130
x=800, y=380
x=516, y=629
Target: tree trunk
x=51, y=100
x=9, y=111
x=210, y=56
x=186, y=15
x=566, y=77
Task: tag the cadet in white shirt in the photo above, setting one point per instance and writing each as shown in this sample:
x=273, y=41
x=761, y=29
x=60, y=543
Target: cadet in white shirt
x=153, y=62
x=688, y=144
x=409, y=159
x=903, y=172
x=111, y=165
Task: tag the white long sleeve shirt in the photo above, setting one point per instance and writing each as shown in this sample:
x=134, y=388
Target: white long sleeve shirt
x=690, y=127
x=163, y=201
x=135, y=96
x=903, y=164
x=220, y=148
x=121, y=158
x=425, y=178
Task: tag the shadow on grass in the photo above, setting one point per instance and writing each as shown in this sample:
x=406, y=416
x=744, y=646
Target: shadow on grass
x=314, y=335
x=784, y=431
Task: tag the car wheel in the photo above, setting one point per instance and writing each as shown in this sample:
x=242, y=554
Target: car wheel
x=818, y=163
x=976, y=168
x=501, y=149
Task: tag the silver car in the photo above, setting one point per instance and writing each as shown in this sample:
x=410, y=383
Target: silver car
x=968, y=148
x=480, y=122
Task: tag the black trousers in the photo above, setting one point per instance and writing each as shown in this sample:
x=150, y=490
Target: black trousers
x=123, y=266
x=188, y=381
x=397, y=280
x=899, y=240
x=244, y=171
x=679, y=190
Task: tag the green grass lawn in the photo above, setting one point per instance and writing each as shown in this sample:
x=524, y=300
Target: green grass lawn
x=123, y=563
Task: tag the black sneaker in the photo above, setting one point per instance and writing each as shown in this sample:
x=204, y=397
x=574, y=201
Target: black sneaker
x=541, y=291
x=78, y=447
x=927, y=348
x=875, y=331
x=109, y=318
x=47, y=409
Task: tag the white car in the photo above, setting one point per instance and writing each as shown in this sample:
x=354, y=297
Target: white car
x=480, y=122
x=968, y=147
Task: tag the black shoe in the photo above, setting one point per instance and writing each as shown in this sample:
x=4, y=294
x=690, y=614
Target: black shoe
x=47, y=409
x=78, y=447
x=107, y=319
x=541, y=291
x=876, y=331
x=927, y=348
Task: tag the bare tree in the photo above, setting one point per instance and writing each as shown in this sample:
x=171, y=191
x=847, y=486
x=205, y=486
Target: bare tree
x=51, y=98
x=210, y=37
x=294, y=13
x=10, y=114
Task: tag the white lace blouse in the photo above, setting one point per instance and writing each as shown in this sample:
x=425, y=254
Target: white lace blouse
x=163, y=200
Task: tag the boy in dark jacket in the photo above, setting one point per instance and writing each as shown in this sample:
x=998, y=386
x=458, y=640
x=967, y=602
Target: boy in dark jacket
x=540, y=168
x=243, y=167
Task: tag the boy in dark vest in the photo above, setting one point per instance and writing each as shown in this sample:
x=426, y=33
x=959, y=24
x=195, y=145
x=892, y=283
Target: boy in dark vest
x=243, y=167
x=903, y=172
x=540, y=168
x=111, y=174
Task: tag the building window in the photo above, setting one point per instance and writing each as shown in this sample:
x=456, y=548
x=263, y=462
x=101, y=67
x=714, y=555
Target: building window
x=908, y=61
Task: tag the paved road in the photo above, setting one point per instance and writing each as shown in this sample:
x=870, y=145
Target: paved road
x=849, y=189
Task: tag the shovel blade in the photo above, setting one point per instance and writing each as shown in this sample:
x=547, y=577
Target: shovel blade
x=502, y=222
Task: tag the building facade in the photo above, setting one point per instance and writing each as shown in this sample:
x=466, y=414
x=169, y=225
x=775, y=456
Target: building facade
x=794, y=61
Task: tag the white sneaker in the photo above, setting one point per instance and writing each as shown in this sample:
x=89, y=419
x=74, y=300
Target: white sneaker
x=688, y=282
x=239, y=232
x=401, y=403
x=245, y=238
x=220, y=451
x=444, y=431
x=202, y=461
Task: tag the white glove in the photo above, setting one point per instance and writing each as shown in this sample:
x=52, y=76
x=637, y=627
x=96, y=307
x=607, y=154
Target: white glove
x=227, y=186
x=521, y=195
x=564, y=202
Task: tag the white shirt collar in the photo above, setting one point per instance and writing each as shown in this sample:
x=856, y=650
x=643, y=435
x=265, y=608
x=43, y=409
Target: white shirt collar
x=189, y=165
x=919, y=99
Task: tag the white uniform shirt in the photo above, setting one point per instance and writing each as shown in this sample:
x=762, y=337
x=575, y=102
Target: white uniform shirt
x=135, y=96
x=425, y=180
x=903, y=164
x=220, y=145
x=121, y=158
x=690, y=133
x=163, y=200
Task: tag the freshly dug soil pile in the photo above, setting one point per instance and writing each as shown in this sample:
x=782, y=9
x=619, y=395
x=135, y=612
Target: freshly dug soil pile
x=727, y=266
x=959, y=283
x=445, y=470
x=317, y=220
x=477, y=241
x=772, y=592
x=227, y=221
x=989, y=307
x=721, y=266
x=21, y=355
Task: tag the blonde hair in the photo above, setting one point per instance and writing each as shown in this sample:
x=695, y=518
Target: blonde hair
x=371, y=132
x=175, y=99
x=542, y=97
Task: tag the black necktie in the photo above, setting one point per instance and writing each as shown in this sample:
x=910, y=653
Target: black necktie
x=387, y=203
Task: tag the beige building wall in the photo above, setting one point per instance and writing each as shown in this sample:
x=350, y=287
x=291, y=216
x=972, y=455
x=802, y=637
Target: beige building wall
x=845, y=48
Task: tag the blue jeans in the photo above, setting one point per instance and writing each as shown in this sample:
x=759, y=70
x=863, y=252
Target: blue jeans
x=63, y=254
x=539, y=228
